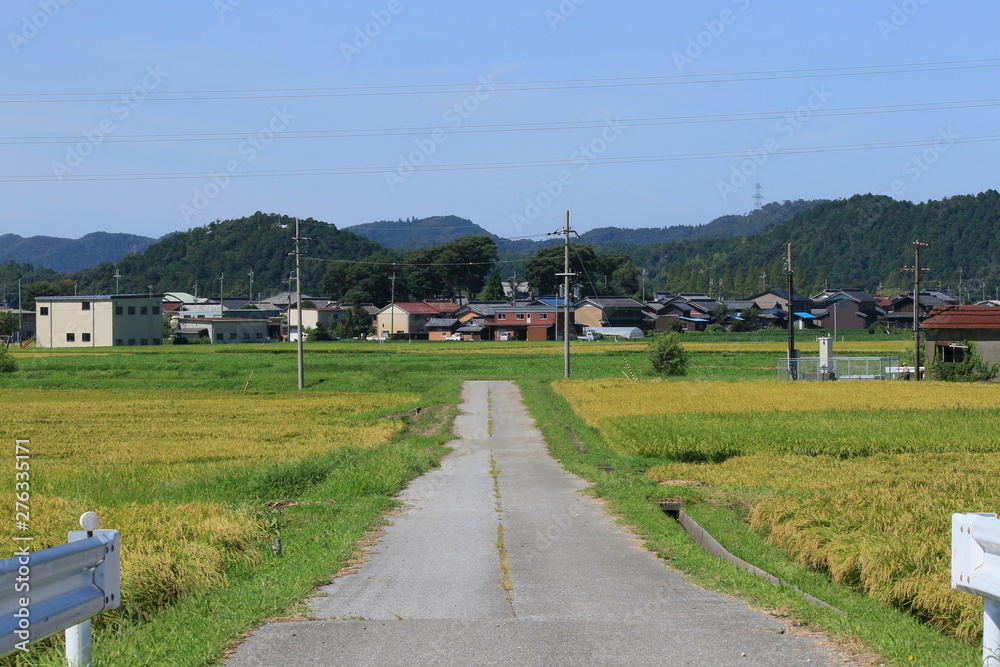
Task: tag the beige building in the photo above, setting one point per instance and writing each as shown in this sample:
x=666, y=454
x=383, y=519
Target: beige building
x=221, y=330
x=98, y=321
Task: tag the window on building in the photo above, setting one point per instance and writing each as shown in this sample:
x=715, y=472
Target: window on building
x=44, y=310
x=156, y=310
x=219, y=336
x=543, y=316
x=143, y=341
x=952, y=353
x=143, y=310
x=246, y=335
x=131, y=310
x=85, y=337
x=131, y=341
x=119, y=341
x=501, y=316
x=70, y=337
x=232, y=336
x=118, y=310
x=520, y=316
x=85, y=305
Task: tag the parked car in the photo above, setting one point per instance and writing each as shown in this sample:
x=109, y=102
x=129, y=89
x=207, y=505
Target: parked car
x=454, y=336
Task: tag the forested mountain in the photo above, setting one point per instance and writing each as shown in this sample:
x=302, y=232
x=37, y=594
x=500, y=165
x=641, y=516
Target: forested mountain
x=70, y=254
x=858, y=242
x=414, y=234
x=725, y=226
x=195, y=260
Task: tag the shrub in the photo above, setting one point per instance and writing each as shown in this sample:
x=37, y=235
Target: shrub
x=667, y=355
x=7, y=363
x=972, y=368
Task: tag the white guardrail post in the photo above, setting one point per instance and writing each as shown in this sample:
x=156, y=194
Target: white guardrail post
x=975, y=568
x=47, y=591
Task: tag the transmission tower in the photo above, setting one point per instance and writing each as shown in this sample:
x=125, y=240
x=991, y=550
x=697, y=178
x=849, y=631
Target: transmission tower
x=758, y=198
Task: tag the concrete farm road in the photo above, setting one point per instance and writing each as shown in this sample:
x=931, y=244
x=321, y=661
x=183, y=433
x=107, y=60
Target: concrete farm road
x=498, y=560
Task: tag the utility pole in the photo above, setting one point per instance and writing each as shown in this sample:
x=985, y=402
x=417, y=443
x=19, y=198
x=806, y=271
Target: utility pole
x=644, y=285
x=251, y=270
x=19, y=309
x=566, y=231
x=392, y=306
x=222, y=303
x=117, y=276
x=792, y=363
x=917, y=245
x=298, y=299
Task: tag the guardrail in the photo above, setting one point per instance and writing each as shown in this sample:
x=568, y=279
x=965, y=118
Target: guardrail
x=975, y=568
x=60, y=588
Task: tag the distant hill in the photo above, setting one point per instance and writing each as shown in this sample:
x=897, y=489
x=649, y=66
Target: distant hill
x=68, y=255
x=231, y=249
x=748, y=224
x=414, y=234
x=859, y=242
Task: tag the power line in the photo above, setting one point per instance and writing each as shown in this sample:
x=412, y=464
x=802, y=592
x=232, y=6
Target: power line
x=512, y=86
x=634, y=159
x=519, y=127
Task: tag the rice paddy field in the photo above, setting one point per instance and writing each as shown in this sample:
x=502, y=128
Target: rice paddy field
x=202, y=456
x=855, y=479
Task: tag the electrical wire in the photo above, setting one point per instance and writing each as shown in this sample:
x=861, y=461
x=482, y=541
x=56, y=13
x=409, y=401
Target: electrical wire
x=567, y=162
x=512, y=86
x=517, y=127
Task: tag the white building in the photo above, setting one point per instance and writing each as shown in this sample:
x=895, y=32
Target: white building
x=98, y=321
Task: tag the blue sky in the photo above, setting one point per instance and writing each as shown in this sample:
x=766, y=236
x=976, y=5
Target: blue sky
x=634, y=114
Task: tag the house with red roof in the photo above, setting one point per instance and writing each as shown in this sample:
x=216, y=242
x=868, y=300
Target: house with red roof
x=949, y=328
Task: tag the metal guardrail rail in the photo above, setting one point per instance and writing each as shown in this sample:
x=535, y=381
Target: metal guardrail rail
x=975, y=568
x=44, y=592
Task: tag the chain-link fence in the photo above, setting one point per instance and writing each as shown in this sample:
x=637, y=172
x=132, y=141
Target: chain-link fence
x=821, y=369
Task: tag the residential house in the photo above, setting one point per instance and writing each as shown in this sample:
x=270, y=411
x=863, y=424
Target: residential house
x=222, y=330
x=845, y=309
x=609, y=311
x=775, y=308
x=948, y=328
x=526, y=322
x=98, y=320
x=409, y=318
x=901, y=316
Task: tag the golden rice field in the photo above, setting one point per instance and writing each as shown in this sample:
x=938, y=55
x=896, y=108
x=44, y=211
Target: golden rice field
x=100, y=451
x=858, y=479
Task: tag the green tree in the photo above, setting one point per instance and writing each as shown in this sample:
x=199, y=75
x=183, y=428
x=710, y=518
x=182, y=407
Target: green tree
x=494, y=287
x=368, y=281
x=356, y=322
x=667, y=355
x=8, y=323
